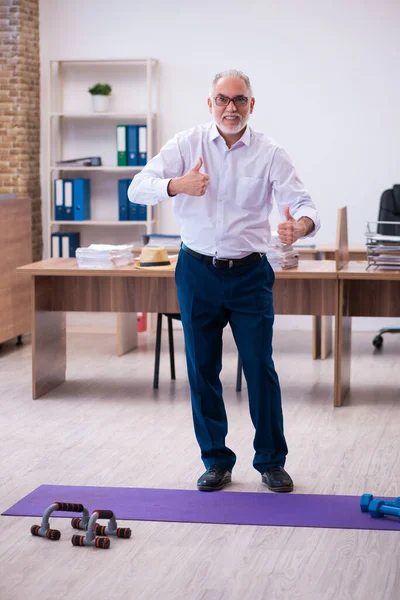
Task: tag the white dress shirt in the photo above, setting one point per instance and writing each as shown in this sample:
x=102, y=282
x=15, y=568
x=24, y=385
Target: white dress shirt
x=231, y=219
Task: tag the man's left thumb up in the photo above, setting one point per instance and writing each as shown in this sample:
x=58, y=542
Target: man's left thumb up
x=288, y=216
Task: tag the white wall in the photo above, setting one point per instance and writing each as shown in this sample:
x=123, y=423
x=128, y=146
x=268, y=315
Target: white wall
x=324, y=74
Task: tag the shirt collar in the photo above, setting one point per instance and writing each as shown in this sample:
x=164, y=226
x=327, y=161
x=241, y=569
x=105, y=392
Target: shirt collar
x=214, y=134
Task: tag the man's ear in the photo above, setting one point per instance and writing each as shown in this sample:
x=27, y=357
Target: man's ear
x=209, y=104
x=252, y=103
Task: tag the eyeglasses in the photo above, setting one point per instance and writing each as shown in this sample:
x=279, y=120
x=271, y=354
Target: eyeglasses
x=238, y=101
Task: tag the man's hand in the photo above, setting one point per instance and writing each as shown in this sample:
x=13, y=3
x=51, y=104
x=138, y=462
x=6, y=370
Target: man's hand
x=291, y=230
x=193, y=183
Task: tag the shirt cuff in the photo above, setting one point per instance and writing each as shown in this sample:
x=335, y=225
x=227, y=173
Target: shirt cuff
x=161, y=187
x=311, y=214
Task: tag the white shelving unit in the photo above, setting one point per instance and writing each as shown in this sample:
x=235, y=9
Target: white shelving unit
x=75, y=131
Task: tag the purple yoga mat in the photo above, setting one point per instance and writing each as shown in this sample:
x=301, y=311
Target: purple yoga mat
x=191, y=506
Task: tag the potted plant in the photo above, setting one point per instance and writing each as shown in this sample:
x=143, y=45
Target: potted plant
x=101, y=93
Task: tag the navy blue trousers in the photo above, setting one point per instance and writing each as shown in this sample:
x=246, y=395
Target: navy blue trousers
x=209, y=299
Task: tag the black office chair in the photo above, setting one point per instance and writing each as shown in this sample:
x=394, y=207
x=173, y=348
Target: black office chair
x=389, y=210
x=177, y=317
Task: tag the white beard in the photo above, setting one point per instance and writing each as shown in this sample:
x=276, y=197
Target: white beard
x=226, y=129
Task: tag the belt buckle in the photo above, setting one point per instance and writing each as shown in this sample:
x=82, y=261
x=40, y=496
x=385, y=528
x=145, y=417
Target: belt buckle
x=228, y=260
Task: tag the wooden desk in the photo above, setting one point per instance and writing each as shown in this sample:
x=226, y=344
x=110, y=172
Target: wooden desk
x=321, y=325
x=317, y=252
x=59, y=285
x=362, y=293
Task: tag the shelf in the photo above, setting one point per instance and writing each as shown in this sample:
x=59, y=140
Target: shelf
x=104, y=115
x=105, y=169
x=76, y=131
x=103, y=223
x=138, y=61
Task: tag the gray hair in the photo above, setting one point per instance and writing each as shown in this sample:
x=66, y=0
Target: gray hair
x=235, y=75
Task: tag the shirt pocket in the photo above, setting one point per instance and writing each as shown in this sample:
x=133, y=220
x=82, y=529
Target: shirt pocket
x=250, y=192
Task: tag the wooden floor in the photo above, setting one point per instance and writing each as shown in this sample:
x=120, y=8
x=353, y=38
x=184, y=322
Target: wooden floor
x=107, y=427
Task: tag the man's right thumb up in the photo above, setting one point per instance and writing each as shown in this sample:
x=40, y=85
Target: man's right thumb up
x=198, y=165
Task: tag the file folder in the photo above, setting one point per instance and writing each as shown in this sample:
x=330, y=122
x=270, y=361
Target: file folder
x=69, y=244
x=121, y=146
x=123, y=200
x=81, y=199
x=55, y=245
x=58, y=199
x=68, y=200
x=137, y=212
x=142, y=145
x=132, y=144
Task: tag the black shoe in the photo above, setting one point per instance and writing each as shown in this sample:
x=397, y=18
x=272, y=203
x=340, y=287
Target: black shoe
x=214, y=479
x=277, y=480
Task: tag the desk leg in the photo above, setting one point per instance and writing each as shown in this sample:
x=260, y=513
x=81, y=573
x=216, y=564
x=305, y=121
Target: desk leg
x=342, y=350
x=321, y=337
x=127, y=333
x=326, y=336
x=316, y=337
x=321, y=329
x=49, y=348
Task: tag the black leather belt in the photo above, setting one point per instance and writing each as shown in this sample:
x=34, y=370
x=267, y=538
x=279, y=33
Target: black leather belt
x=225, y=263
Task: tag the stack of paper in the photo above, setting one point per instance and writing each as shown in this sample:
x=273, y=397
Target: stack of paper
x=161, y=240
x=103, y=256
x=383, y=251
x=282, y=256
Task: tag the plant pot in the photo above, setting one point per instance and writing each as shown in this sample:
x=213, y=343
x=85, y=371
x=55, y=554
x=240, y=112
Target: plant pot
x=100, y=103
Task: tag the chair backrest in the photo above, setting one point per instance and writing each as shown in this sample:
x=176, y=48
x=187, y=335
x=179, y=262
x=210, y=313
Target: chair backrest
x=389, y=210
x=342, y=240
